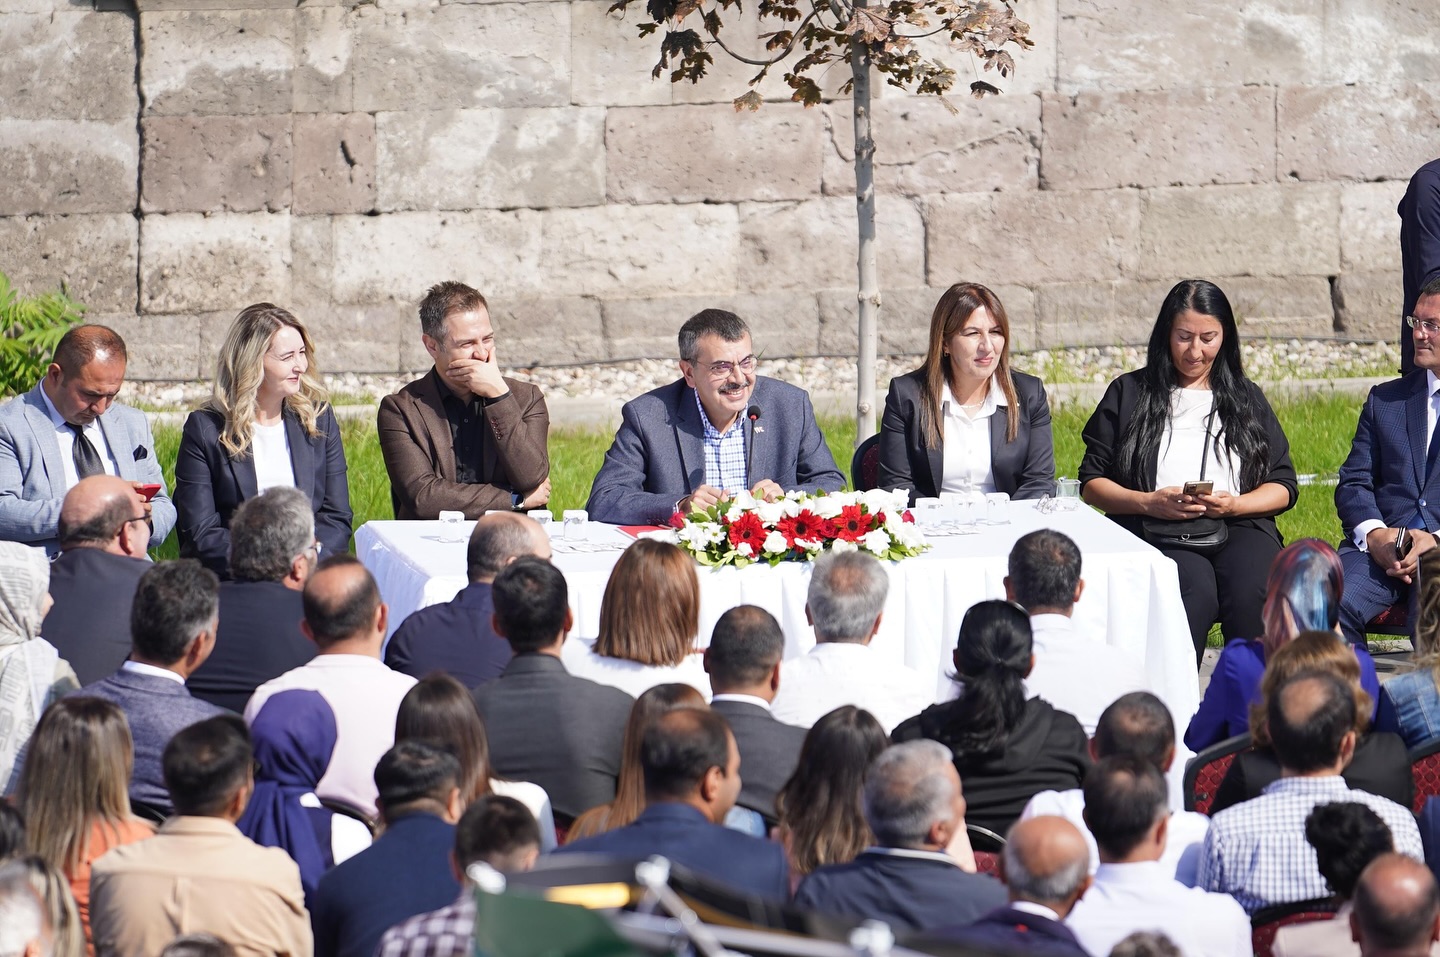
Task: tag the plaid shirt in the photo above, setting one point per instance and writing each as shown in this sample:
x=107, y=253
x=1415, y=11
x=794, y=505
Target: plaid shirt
x=447, y=932
x=1257, y=852
x=724, y=454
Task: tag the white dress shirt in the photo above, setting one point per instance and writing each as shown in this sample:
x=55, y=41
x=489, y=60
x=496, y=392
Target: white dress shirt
x=65, y=438
x=1184, y=838
x=1077, y=673
x=365, y=696
x=1142, y=896
x=631, y=677
x=140, y=668
x=837, y=673
x=270, y=448
x=966, y=442
x=1432, y=412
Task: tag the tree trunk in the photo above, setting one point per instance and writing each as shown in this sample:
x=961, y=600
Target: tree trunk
x=868, y=290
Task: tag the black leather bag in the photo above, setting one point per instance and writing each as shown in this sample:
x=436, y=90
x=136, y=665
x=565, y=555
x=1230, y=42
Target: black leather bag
x=1204, y=536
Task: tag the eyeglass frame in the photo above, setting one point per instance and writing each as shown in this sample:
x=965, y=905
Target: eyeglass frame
x=1429, y=327
x=722, y=368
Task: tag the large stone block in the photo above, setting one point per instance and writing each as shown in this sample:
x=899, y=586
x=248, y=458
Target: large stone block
x=1111, y=312
x=610, y=64
x=195, y=263
x=222, y=62
x=1240, y=230
x=1159, y=138
x=170, y=6
x=324, y=81
x=728, y=78
x=361, y=339
x=812, y=245
x=462, y=56
x=921, y=148
x=1356, y=132
x=1281, y=307
x=93, y=256
x=67, y=166
x=1370, y=226
x=400, y=255
x=1140, y=45
x=637, y=251
x=200, y=164
x=545, y=331
x=1382, y=41
x=467, y=159
x=1285, y=43
x=782, y=323
x=67, y=65
x=334, y=163
x=688, y=154
x=312, y=258
x=166, y=348
x=1368, y=305
x=1031, y=237
x=904, y=327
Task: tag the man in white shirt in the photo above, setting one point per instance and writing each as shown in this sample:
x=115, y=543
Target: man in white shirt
x=1073, y=671
x=346, y=619
x=1397, y=908
x=1127, y=811
x=844, y=603
x=1139, y=725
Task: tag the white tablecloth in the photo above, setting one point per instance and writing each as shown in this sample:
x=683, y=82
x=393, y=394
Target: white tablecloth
x=1131, y=598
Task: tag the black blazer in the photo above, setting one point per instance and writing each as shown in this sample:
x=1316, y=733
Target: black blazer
x=769, y=749
x=89, y=624
x=1024, y=468
x=209, y=485
x=259, y=638
x=909, y=893
x=1380, y=766
x=1107, y=423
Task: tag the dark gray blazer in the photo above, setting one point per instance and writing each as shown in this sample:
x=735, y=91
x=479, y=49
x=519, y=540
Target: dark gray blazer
x=157, y=708
x=658, y=456
x=1024, y=468
x=769, y=749
x=89, y=624
x=562, y=732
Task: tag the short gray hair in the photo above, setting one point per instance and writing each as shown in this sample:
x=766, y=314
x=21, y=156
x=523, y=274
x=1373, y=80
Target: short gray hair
x=907, y=791
x=22, y=913
x=268, y=531
x=1051, y=888
x=710, y=322
x=847, y=593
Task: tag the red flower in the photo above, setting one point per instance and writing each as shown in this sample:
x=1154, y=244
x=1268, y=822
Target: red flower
x=677, y=519
x=748, y=529
x=806, y=525
x=853, y=523
x=908, y=517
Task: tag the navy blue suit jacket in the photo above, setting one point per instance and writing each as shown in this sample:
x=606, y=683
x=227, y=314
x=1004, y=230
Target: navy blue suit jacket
x=1384, y=475
x=89, y=624
x=259, y=638
x=684, y=835
x=455, y=638
x=908, y=893
x=157, y=709
x=1011, y=931
x=404, y=873
x=1419, y=245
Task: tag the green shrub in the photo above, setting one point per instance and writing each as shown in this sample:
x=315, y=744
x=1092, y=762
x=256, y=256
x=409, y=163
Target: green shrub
x=30, y=329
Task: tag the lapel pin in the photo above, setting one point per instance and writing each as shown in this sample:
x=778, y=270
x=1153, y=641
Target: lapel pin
x=759, y=428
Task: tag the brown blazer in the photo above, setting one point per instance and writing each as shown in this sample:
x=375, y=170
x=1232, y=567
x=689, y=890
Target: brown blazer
x=415, y=440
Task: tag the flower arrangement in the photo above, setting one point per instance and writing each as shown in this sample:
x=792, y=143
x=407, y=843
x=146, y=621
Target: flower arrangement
x=742, y=529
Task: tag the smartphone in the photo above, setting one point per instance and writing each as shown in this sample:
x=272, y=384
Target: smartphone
x=1403, y=543
x=1199, y=488
x=147, y=492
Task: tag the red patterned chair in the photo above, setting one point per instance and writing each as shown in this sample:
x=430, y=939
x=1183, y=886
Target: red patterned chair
x=987, y=846
x=1207, y=769
x=865, y=465
x=1394, y=621
x=1425, y=772
x=1268, y=921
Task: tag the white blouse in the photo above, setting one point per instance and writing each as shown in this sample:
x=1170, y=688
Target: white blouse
x=270, y=447
x=966, y=440
x=579, y=657
x=1183, y=444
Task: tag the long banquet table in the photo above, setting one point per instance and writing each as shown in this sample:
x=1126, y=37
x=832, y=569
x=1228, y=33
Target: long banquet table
x=1131, y=598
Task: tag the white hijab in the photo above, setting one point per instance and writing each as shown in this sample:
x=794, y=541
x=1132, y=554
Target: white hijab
x=27, y=661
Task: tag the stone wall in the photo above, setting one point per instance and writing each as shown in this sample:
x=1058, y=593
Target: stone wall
x=175, y=162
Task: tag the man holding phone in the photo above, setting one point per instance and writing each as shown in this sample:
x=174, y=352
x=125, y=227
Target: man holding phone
x=69, y=427
x=1388, y=497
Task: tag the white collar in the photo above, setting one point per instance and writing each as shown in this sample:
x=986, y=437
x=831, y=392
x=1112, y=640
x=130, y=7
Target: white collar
x=994, y=396
x=1039, y=910
x=140, y=668
x=56, y=418
x=1431, y=383
x=742, y=699
x=912, y=853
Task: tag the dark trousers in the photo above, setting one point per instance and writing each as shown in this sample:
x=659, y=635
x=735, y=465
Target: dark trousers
x=1227, y=586
x=1368, y=592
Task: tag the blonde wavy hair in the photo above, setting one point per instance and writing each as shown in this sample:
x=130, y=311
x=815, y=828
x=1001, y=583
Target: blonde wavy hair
x=1310, y=651
x=240, y=369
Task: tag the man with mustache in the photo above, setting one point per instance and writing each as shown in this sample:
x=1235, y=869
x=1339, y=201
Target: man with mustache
x=719, y=430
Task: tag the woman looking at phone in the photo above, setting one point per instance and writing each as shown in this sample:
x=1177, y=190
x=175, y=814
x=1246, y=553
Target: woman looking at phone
x=1188, y=454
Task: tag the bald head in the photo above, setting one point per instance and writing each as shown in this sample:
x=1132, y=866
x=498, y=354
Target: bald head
x=97, y=513
x=1046, y=861
x=1311, y=720
x=85, y=344
x=498, y=539
x=343, y=612
x=1396, y=908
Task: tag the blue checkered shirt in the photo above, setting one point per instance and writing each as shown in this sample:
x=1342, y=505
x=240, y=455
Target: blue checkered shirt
x=447, y=932
x=1257, y=852
x=724, y=454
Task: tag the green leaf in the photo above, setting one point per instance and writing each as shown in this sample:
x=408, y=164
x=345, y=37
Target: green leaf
x=30, y=329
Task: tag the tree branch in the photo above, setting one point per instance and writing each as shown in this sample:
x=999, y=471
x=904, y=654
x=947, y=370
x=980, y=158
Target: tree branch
x=779, y=56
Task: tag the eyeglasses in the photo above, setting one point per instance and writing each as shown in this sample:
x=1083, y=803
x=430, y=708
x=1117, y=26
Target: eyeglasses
x=722, y=368
x=1428, y=326
x=132, y=521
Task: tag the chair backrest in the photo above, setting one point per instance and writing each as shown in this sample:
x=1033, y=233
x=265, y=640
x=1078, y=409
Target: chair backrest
x=1425, y=773
x=1394, y=620
x=345, y=809
x=1267, y=922
x=865, y=465
x=984, y=839
x=987, y=862
x=1207, y=769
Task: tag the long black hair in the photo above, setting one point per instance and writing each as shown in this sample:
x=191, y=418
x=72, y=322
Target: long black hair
x=1246, y=440
x=992, y=657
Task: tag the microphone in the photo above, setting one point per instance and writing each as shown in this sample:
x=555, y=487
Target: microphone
x=753, y=414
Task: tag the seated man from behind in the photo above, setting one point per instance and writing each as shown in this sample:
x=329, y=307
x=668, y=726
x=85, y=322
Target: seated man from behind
x=199, y=873
x=1073, y=671
x=407, y=870
x=70, y=427
x=1128, y=811
x=103, y=538
x=272, y=554
x=845, y=602
x=718, y=430
x=1140, y=725
x=1256, y=851
x=692, y=777
x=1397, y=908
x=172, y=622
x=463, y=437
x=577, y=758
x=496, y=831
x=744, y=665
x=456, y=637
x=914, y=806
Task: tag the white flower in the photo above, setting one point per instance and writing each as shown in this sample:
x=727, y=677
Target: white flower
x=744, y=550
x=909, y=536
x=794, y=506
x=877, y=541
x=810, y=544
x=701, y=535
x=846, y=498
x=771, y=512
x=840, y=546
x=775, y=543
x=883, y=500
x=744, y=501
x=827, y=506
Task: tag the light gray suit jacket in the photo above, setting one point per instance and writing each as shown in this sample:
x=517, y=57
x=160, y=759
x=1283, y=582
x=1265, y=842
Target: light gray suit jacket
x=658, y=455
x=32, y=478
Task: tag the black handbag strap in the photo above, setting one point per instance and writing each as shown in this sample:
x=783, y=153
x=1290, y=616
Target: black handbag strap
x=1205, y=451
